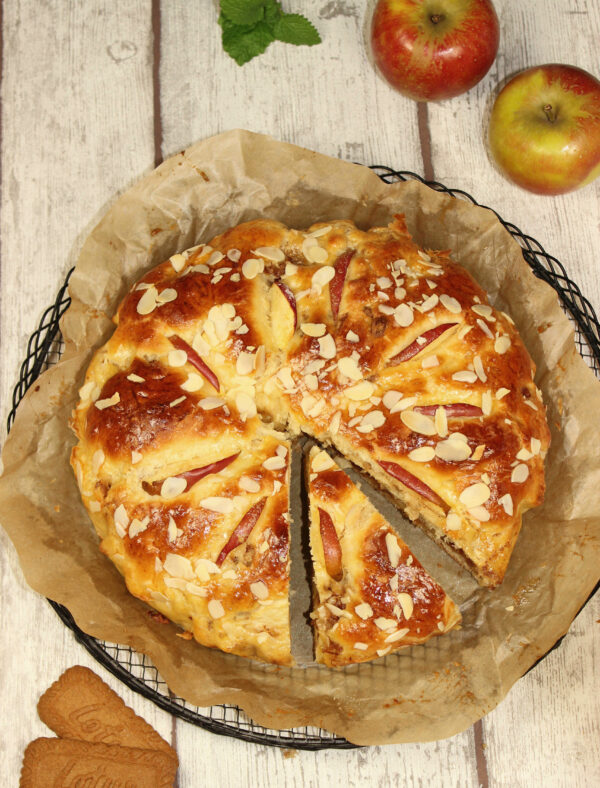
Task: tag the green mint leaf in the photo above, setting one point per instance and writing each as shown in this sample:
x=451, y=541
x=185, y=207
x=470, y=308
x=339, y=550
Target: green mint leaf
x=243, y=44
x=272, y=13
x=296, y=29
x=243, y=12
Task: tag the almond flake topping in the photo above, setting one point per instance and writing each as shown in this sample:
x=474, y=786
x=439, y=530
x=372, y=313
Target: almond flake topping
x=404, y=315
x=194, y=382
x=519, y=474
x=453, y=450
x=475, y=495
x=422, y=454
x=530, y=404
x=166, y=295
x=147, y=302
x=403, y=404
x=216, y=609
x=359, y=646
x=285, y=377
x=172, y=487
x=371, y=421
x=478, y=453
x=486, y=403
x=386, y=624
x=272, y=253
x=479, y=370
x=311, y=382
x=210, y=403
x=245, y=363
x=121, y=517
x=138, y=526
x=352, y=337
x=484, y=310
x=364, y=611
x=453, y=522
x=441, y=422
x=172, y=530
x=479, y=513
x=348, y=366
x=248, y=484
x=502, y=393
x=418, y=422
x=383, y=282
x=465, y=376
x=135, y=378
x=177, y=401
x=524, y=455
x=136, y=457
x=252, y=267
x=430, y=361
x=234, y=255
x=325, y=274
x=178, y=566
x=393, y=549
x=322, y=462
x=334, y=424
x=502, y=344
x=275, y=463
x=429, y=303
x=360, y=391
x=536, y=446
x=316, y=254
x=178, y=262
x=390, y=398
x=320, y=231
x=485, y=328
x=400, y=293
x=177, y=358
x=217, y=504
x=450, y=304
x=506, y=502
x=398, y=635
x=259, y=590
x=327, y=348
x=102, y=404
x=313, y=329
x=407, y=605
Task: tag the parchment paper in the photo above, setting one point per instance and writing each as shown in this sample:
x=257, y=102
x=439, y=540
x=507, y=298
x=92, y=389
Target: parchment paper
x=422, y=693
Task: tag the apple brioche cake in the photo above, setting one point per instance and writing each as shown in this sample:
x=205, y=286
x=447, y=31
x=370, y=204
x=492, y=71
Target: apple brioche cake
x=371, y=595
x=225, y=352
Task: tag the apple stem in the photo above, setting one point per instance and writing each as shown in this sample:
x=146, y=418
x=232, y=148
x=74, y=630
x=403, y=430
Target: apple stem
x=550, y=113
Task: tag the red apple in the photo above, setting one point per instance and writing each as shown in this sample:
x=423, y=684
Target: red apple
x=411, y=481
x=454, y=410
x=544, y=129
x=192, y=476
x=195, y=360
x=242, y=530
x=416, y=347
x=434, y=49
x=336, y=285
x=332, y=550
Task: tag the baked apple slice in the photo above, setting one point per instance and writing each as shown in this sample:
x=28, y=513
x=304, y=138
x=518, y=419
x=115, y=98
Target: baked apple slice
x=284, y=315
x=195, y=360
x=379, y=599
x=192, y=476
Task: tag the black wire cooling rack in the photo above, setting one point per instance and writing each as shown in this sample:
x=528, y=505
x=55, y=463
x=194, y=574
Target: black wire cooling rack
x=44, y=349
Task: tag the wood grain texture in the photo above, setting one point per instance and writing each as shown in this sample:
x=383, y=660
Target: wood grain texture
x=82, y=89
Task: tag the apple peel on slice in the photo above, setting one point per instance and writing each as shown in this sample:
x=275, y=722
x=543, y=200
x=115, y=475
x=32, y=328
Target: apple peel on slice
x=332, y=550
x=412, y=482
x=416, y=346
x=453, y=410
x=196, y=361
x=336, y=286
x=192, y=476
x=242, y=530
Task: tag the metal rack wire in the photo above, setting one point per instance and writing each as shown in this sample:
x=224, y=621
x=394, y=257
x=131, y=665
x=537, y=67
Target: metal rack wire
x=135, y=670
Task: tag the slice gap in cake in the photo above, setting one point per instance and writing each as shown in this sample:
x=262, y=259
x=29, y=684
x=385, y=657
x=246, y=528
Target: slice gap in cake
x=371, y=596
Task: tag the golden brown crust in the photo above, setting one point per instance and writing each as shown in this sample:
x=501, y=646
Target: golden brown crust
x=361, y=339
x=384, y=599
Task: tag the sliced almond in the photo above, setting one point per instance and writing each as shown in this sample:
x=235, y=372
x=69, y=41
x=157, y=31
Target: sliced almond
x=248, y=484
x=259, y=590
x=475, y=495
x=360, y=391
x=483, y=310
x=407, y=605
x=275, y=463
x=396, y=636
x=429, y=303
x=441, y=422
x=536, y=446
x=430, y=361
x=178, y=262
x=316, y=254
x=194, y=382
x=210, y=403
x=244, y=364
x=172, y=487
x=452, y=450
x=322, y=462
x=217, y=504
x=348, y=366
x=501, y=393
x=169, y=294
x=97, y=460
x=352, y=337
x=486, y=403
x=479, y=370
x=403, y=315
x=465, y=376
x=245, y=405
x=327, y=348
x=216, y=609
x=313, y=329
x=479, y=513
x=450, y=304
x=519, y=474
x=453, y=522
x=102, y=404
x=418, y=422
x=502, y=344
x=177, y=358
x=178, y=566
x=364, y=611
x=252, y=267
x=136, y=457
x=390, y=398
x=272, y=253
x=135, y=378
x=147, y=302
x=393, y=549
x=422, y=454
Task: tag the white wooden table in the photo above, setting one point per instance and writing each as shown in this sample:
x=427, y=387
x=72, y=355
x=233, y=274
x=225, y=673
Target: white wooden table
x=93, y=95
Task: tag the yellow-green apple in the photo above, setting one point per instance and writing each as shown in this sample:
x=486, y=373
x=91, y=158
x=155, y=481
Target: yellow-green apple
x=284, y=314
x=544, y=129
x=434, y=49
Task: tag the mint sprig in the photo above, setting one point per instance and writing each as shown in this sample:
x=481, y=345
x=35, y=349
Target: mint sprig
x=249, y=26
